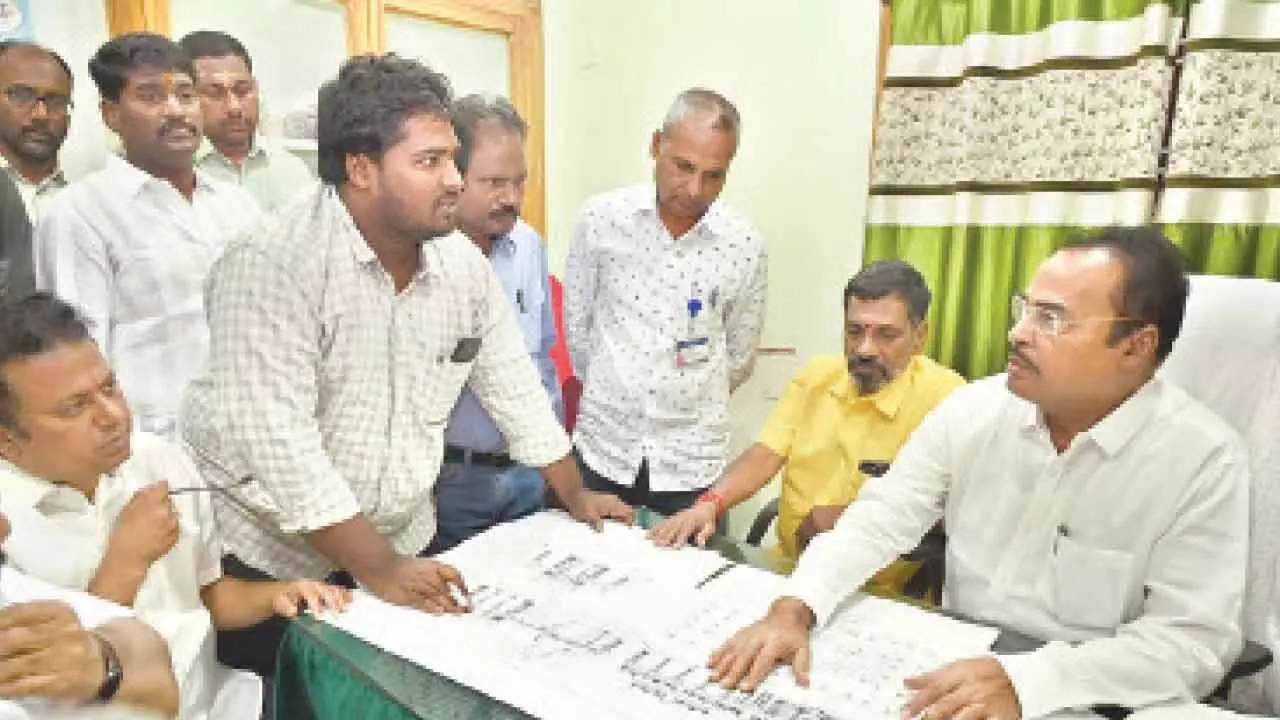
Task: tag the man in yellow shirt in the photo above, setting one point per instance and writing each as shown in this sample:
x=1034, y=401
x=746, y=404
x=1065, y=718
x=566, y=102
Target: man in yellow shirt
x=838, y=414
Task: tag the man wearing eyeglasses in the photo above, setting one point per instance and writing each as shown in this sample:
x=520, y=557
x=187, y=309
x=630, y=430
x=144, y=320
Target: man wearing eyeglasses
x=1087, y=503
x=131, y=245
x=35, y=111
x=233, y=149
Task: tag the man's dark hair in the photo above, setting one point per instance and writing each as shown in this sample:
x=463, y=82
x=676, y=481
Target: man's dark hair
x=468, y=112
x=214, y=43
x=30, y=326
x=363, y=110
x=7, y=45
x=1154, y=288
x=111, y=66
x=892, y=277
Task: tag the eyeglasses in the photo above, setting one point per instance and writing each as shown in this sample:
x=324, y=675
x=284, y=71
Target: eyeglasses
x=1052, y=320
x=26, y=97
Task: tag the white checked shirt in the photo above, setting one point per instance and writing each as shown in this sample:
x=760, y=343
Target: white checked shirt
x=1132, y=543
x=332, y=390
x=132, y=254
x=628, y=284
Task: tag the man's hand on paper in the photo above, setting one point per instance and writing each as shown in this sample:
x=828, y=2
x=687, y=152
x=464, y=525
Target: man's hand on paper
x=752, y=653
x=47, y=653
x=696, y=523
x=819, y=520
x=310, y=595
x=593, y=508
x=422, y=583
x=973, y=689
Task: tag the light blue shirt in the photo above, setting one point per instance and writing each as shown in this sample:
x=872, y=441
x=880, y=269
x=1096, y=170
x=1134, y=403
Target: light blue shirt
x=519, y=259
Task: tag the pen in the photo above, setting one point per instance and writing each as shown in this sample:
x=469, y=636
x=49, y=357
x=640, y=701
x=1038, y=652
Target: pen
x=715, y=574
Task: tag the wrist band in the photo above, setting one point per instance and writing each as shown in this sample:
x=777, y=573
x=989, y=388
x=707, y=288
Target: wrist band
x=713, y=497
x=112, y=670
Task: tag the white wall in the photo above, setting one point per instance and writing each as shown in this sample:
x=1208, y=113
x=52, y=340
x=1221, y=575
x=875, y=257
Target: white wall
x=474, y=61
x=803, y=76
x=75, y=29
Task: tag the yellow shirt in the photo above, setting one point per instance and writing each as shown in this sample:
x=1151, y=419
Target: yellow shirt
x=824, y=429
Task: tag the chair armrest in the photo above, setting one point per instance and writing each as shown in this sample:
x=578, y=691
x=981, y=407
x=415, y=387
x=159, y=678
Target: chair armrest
x=760, y=525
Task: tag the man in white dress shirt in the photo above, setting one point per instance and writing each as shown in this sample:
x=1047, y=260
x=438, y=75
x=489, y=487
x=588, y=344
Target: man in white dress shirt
x=1087, y=503
x=132, y=244
x=664, y=303
x=68, y=655
x=130, y=509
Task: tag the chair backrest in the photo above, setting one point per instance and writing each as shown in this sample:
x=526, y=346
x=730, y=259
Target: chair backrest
x=1228, y=357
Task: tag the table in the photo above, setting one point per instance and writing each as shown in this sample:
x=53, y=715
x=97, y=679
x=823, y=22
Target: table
x=325, y=673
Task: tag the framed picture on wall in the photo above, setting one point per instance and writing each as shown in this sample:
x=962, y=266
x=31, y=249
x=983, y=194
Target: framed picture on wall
x=15, y=21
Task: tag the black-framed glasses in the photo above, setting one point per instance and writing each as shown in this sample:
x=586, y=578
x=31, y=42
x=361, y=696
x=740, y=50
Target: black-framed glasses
x=25, y=97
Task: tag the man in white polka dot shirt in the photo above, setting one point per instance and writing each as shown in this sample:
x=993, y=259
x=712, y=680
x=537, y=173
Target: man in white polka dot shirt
x=664, y=302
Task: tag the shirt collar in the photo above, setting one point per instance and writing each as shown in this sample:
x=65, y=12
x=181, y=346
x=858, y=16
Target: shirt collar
x=888, y=399
x=27, y=489
x=646, y=203
x=133, y=179
x=429, y=262
x=55, y=179
x=207, y=148
x=1114, y=431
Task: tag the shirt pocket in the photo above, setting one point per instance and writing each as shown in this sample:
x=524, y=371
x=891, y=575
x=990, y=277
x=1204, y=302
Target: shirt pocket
x=1090, y=584
x=440, y=385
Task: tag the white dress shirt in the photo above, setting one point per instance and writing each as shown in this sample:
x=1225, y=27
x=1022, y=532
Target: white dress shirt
x=1128, y=550
x=132, y=254
x=16, y=587
x=35, y=195
x=270, y=173
x=169, y=597
x=628, y=285
x=332, y=390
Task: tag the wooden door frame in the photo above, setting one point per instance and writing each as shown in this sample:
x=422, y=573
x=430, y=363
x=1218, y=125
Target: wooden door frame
x=519, y=21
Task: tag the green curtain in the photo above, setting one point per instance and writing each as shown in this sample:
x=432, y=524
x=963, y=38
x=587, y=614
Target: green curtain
x=1222, y=204
x=1003, y=132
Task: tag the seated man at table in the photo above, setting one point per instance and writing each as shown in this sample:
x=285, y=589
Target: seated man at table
x=95, y=662
x=1087, y=503
x=69, y=457
x=838, y=413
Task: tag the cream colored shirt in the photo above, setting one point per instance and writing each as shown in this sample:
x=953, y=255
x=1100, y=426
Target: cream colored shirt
x=271, y=174
x=169, y=597
x=332, y=390
x=1127, y=551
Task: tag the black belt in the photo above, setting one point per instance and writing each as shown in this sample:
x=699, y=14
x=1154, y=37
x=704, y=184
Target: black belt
x=455, y=454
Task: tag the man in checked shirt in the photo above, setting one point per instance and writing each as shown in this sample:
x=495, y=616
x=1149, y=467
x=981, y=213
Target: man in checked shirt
x=342, y=333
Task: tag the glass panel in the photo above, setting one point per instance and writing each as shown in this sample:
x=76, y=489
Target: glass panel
x=75, y=29
x=475, y=61
x=296, y=45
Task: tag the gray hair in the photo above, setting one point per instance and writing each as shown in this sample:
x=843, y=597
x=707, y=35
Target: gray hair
x=701, y=102
x=468, y=112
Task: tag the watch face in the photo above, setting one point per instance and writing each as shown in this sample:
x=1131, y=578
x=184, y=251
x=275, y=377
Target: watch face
x=113, y=672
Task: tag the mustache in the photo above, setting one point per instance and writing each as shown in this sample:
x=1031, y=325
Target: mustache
x=504, y=212
x=856, y=363
x=1016, y=353
x=173, y=125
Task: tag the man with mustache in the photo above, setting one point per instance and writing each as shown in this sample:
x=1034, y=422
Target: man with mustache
x=132, y=244
x=838, y=413
x=479, y=484
x=344, y=329
x=35, y=111
x=233, y=150
x=664, y=305
x=1087, y=503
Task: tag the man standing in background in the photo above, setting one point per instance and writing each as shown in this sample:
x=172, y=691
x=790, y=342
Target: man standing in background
x=233, y=150
x=664, y=302
x=131, y=245
x=479, y=484
x=35, y=111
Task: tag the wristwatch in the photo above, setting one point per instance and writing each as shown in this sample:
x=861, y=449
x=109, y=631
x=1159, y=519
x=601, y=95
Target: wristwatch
x=113, y=671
